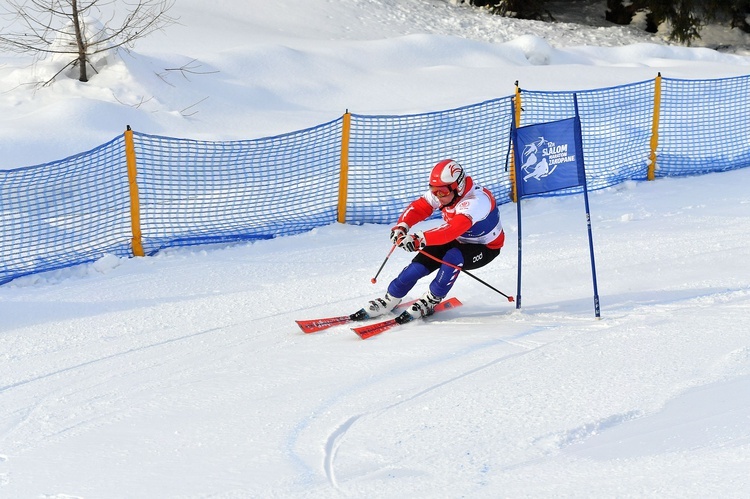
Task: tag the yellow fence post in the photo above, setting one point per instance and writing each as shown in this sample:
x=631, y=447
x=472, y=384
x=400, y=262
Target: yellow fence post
x=517, y=118
x=655, y=128
x=344, y=173
x=135, y=208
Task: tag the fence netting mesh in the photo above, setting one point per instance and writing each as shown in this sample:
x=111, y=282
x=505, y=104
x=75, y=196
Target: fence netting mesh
x=704, y=126
x=195, y=192
x=390, y=157
x=78, y=209
x=65, y=212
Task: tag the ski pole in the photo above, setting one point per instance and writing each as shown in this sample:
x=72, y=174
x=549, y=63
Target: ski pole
x=375, y=279
x=510, y=298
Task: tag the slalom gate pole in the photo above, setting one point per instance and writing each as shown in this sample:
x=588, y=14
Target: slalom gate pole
x=510, y=298
x=375, y=279
x=579, y=147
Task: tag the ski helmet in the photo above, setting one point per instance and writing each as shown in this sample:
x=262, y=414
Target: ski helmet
x=448, y=173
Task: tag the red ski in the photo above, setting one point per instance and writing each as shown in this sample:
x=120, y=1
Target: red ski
x=314, y=325
x=371, y=330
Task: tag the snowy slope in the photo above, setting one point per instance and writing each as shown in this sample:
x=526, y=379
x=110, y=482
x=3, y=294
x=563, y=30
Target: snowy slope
x=184, y=375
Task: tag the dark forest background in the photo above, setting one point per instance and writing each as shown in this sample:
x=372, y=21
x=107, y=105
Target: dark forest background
x=685, y=18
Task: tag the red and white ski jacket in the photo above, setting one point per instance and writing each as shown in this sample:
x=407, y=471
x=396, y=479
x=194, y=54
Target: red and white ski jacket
x=474, y=219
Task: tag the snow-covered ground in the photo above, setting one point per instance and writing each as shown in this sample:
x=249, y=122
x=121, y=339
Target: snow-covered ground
x=184, y=375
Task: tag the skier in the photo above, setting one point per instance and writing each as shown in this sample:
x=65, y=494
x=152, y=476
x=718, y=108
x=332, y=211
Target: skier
x=471, y=237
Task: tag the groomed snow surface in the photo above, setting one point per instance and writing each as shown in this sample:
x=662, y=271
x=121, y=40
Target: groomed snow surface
x=183, y=375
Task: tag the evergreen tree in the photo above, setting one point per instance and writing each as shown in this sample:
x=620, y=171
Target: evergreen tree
x=686, y=17
x=521, y=9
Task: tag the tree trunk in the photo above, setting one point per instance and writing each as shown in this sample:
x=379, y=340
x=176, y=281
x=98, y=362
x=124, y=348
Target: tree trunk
x=82, y=76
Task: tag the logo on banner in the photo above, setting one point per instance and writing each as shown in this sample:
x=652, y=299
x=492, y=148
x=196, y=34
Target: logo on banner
x=549, y=159
x=541, y=157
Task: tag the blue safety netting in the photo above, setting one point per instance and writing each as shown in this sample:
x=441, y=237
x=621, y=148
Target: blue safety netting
x=704, y=126
x=195, y=192
x=390, y=157
x=65, y=212
x=78, y=209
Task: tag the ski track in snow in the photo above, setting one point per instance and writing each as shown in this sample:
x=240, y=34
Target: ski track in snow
x=335, y=438
x=60, y=384
x=107, y=358
x=553, y=442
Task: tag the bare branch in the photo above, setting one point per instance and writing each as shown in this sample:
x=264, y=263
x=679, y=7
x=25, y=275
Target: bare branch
x=163, y=77
x=190, y=68
x=49, y=82
x=135, y=106
x=187, y=115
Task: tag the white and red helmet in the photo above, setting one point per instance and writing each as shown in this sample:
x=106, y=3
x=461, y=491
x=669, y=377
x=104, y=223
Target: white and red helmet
x=448, y=173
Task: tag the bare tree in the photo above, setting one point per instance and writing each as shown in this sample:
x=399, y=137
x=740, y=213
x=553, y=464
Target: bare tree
x=78, y=30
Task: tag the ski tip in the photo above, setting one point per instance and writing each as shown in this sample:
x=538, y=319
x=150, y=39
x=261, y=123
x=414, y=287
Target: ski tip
x=371, y=330
x=307, y=327
x=362, y=335
x=365, y=333
x=315, y=325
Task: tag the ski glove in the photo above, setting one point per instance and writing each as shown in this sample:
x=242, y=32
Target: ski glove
x=398, y=232
x=412, y=242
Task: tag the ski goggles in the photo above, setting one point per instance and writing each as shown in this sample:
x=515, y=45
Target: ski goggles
x=440, y=191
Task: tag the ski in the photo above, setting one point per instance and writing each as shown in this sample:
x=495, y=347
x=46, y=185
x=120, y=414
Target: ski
x=371, y=330
x=315, y=325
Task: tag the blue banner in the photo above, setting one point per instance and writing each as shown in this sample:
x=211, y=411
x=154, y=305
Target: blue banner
x=547, y=157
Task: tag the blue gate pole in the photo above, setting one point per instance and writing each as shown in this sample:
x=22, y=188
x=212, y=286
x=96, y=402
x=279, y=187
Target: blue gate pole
x=579, y=147
x=516, y=157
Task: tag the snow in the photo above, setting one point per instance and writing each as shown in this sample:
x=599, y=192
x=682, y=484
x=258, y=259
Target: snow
x=184, y=375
